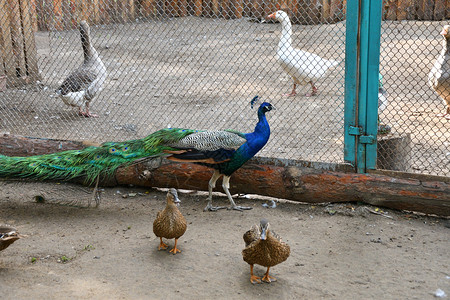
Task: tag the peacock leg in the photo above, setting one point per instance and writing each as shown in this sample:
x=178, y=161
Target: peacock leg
x=161, y=244
x=96, y=194
x=211, y=185
x=254, y=278
x=268, y=278
x=175, y=250
x=314, y=90
x=226, y=186
x=293, y=92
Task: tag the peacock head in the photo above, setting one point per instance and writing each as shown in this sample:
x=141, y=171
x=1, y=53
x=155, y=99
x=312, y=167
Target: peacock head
x=264, y=229
x=265, y=107
x=280, y=16
x=172, y=197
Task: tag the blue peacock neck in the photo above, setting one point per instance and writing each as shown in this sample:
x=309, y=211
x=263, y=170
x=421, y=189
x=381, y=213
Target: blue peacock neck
x=259, y=137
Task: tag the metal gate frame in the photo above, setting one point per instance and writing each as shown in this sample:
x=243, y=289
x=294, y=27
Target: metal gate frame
x=362, y=62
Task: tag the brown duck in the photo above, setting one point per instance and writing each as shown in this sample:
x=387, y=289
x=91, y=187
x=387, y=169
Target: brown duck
x=8, y=235
x=169, y=222
x=263, y=247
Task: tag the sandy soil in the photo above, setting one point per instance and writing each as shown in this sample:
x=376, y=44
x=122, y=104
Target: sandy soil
x=110, y=252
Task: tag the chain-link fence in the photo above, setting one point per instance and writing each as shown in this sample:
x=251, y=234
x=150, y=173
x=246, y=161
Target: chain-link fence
x=196, y=64
x=409, y=50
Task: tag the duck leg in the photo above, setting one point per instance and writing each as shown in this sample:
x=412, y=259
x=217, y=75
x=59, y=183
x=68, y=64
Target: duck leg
x=175, y=250
x=211, y=185
x=226, y=186
x=268, y=278
x=314, y=90
x=253, y=278
x=293, y=92
x=162, y=245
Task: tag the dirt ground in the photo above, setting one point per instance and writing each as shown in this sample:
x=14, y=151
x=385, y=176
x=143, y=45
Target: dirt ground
x=340, y=251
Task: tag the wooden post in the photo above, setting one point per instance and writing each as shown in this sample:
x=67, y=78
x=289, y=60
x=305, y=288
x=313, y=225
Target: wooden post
x=198, y=7
x=428, y=9
x=6, y=45
x=391, y=13
x=182, y=8
x=326, y=11
x=17, y=38
x=30, y=51
x=439, y=10
x=257, y=9
x=237, y=8
x=148, y=8
x=336, y=10
x=226, y=9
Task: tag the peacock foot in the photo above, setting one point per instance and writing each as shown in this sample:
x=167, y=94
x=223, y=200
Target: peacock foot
x=255, y=279
x=175, y=251
x=209, y=207
x=240, y=208
x=268, y=278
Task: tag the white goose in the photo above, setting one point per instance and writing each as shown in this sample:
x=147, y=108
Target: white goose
x=302, y=66
x=84, y=83
x=439, y=77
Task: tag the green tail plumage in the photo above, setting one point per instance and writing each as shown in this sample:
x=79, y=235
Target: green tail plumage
x=91, y=162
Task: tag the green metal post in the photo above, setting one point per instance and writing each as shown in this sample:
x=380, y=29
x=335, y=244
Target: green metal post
x=361, y=83
x=373, y=69
x=351, y=80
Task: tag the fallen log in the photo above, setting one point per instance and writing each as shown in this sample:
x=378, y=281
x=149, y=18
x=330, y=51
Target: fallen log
x=302, y=181
x=298, y=182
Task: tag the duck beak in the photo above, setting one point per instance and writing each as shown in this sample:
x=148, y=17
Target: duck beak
x=177, y=201
x=263, y=234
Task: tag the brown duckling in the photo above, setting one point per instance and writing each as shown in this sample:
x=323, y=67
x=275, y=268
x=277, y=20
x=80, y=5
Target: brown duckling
x=265, y=248
x=8, y=235
x=169, y=222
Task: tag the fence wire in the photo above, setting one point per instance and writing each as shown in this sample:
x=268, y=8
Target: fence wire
x=196, y=64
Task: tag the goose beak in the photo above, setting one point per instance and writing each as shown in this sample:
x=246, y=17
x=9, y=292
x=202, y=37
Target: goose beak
x=444, y=32
x=271, y=16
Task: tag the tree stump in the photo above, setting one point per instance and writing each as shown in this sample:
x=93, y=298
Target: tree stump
x=394, y=151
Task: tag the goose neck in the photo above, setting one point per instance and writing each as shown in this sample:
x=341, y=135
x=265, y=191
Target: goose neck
x=286, y=34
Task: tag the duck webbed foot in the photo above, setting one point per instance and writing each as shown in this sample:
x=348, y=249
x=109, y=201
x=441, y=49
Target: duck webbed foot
x=253, y=278
x=162, y=245
x=175, y=250
x=268, y=278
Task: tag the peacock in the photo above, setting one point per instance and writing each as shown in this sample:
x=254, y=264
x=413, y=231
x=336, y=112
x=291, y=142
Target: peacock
x=223, y=150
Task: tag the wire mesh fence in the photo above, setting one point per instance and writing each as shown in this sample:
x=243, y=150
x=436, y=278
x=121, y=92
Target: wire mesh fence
x=196, y=64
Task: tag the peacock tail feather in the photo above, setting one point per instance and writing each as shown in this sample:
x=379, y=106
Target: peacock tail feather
x=91, y=162
x=224, y=150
